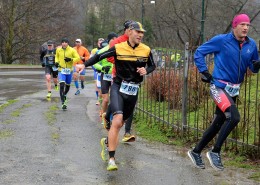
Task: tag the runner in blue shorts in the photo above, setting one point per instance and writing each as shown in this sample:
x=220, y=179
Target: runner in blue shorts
x=64, y=59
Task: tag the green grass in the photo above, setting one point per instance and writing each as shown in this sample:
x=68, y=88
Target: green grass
x=9, y=102
x=255, y=176
x=6, y=122
x=154, y=132
x=50, y=114
x=17, y=112
x=55, y=136
x=6, y=133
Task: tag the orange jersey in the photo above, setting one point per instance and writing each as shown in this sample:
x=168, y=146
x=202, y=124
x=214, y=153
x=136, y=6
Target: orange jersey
x=83, y=52
x=118, y=40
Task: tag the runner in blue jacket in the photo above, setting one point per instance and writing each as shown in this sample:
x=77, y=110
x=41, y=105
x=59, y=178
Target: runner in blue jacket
x=233, y=54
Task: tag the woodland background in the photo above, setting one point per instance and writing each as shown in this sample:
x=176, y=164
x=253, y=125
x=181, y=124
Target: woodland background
x=25, y=25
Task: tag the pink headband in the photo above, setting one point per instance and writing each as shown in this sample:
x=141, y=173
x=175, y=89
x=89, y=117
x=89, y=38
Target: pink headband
x=240, y=18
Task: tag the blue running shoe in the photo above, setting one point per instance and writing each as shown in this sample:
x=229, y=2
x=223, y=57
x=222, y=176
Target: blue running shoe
x=77, y=92
x=215, y=160
x=196, y=159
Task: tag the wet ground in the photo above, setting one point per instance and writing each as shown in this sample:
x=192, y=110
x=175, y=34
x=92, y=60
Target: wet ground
x=41, y=144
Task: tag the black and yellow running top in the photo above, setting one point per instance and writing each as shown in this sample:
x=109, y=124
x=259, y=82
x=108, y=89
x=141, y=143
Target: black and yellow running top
x=127, y=59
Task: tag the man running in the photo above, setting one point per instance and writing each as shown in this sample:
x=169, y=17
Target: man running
x=128, y=137
x=48, y=59
x=97, y=76
x=106, y=69
x=233, y=54
x=131, y=59
x=84, y=55
x=64, y=59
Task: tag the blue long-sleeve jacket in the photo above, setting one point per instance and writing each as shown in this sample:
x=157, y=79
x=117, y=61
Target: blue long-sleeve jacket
x=230, y=60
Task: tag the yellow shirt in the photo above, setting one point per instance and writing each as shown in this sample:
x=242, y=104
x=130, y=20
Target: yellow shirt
x=68, y=52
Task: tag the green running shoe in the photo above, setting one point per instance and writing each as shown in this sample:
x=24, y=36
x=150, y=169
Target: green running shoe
x=48, y=95
x=103, y=153
x=112, y=165
x=64, y=106
x=56, y=87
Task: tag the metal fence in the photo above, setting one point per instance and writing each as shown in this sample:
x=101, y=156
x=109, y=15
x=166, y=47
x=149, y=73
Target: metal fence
x=174, y=97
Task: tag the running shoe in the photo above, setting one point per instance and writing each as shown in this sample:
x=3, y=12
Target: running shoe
x=128, y=137
x=48, y=95
x=215, y=160
x=111, y=165
x=64, y=106
x=77, y=92
x=106, y=124
x=196, y=159
x=82, y=85
x=56, y=87
x=103, y=153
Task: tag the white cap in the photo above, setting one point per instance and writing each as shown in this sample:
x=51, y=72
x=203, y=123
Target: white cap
x=78, y=40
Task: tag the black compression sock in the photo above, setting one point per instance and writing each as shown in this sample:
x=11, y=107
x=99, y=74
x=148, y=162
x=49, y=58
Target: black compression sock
x=216, y=149
x=112, y=154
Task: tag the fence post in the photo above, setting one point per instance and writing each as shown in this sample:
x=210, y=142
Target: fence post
x=185, y=89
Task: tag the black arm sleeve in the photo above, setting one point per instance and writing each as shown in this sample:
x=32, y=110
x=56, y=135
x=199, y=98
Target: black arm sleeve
x=42, y=54
x=97, y=57
x=151, y=65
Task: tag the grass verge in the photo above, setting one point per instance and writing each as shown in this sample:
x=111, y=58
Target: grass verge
x=9, y=102
x=6, y=133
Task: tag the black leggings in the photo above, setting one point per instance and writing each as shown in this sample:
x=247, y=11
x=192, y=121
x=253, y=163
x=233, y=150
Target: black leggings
x=64, y=89
x=223, y=122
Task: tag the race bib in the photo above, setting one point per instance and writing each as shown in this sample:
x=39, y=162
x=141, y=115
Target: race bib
x=107, y=77
x=232, y=89
x=54, y=68
x=65, y=71
x=129, y=88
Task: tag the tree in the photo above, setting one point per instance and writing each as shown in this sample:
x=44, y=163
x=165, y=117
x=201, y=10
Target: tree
x=26, y=24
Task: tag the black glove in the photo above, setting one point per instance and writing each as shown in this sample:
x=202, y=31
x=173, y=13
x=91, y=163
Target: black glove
x=106, y=69
x=67, y=59
x=43, y=64
x=206, y=77
x=56, y=64
x=256, y=64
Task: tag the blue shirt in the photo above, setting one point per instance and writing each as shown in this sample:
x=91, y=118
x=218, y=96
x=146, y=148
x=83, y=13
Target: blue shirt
x=230, y=59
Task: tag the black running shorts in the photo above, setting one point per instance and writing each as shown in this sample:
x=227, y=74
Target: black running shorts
x=105, y=85
x=49, y=70
x=121, y=103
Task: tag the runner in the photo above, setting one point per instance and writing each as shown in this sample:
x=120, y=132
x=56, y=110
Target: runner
x=97, y=77
x=128, y=137
x=84, y=55
x=64, y=59
x=47, y=59
x=233, y=54
x=131, y=57
x=106, y=77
